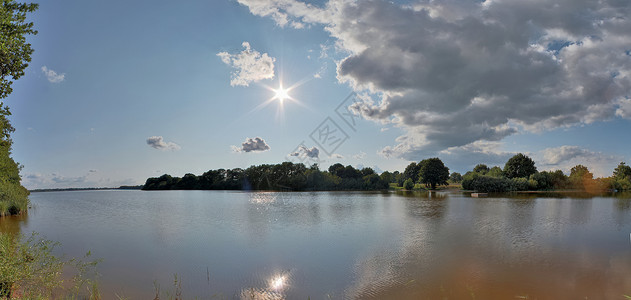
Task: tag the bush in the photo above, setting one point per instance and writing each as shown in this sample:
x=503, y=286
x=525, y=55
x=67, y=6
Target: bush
x=408, y=184
x=489, y=184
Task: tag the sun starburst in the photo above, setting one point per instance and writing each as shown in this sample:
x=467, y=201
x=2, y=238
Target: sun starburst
x=281, y=94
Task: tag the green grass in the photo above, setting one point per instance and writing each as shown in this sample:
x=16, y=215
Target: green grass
x=29, y=270
x=13, y=198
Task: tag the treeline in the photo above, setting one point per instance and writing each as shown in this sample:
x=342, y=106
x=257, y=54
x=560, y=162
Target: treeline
x=15, y=53
x=520, y=174
x=13, y=196
x=283, y=176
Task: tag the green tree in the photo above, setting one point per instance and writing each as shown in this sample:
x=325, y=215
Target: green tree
x=481, y=168
x=622, y=171
x=13, y=196
x=387, y=177
x=455, y=177
x=495, y=172
x=433, y=172
x=519, y=166
x=411, y=172
x=15, y=52
x=408, y=184
x=580, y=176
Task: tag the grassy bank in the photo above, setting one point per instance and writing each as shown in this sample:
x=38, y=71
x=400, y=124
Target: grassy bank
x=13, y=198
x=29, y=270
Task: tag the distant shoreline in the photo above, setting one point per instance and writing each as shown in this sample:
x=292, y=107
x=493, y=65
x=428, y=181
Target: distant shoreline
x=124, y=187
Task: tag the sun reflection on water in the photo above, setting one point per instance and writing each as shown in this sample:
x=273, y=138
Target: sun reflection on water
x=276, y=285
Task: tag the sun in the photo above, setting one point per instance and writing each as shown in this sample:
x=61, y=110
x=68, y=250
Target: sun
x=281, y=94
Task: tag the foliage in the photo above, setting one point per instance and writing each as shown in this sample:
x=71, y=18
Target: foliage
x=489, y=184
x=433, y=172
x=13, y=196
x=519, y=166
x=412, y=172
x=283, y=176
x=455, y=177
x=495, y=172
x=482, y=169
x=408, y=184
x=622, y=171
x=15, y=52
x=28, y=267
x=387, y=177
x=581, y=177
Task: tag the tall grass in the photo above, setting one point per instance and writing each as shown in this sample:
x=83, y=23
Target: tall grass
x=13, y=198
x=29, y=270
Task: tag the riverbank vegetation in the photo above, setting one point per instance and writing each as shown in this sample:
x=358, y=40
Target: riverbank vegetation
x=297, y=177
x=15, y=54
x=29, y=270
x=520, y=174
x=283, y=176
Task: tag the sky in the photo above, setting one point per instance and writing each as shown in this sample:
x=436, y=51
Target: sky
x=119, y=91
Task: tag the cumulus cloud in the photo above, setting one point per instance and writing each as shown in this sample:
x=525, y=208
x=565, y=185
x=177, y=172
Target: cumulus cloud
x=337, y=156
x=256, y=144
x=251, y=65
x=286, y=12
x=566, y=157
x=624, y=109
x=303, y=151
x=157, y=142
x=360, y=155
x=452, y=73
x=480, y=152
x=52, y=76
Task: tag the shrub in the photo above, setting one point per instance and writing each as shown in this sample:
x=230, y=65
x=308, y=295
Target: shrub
x=408, y=184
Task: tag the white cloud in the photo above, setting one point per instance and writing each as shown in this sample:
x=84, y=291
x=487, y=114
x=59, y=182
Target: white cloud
x=157, y=142
x=251, y=65
x=286, y=12
x=52, y=76
x=480, y=152
x=452, y=73
x=303, y=151
x=337, y=156
x=256, y=144
x=566, y=157
x=360, y=155
x=624, y=109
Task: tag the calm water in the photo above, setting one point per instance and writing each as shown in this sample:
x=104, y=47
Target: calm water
x=343, y=245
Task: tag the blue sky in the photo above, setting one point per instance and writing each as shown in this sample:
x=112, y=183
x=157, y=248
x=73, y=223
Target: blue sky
x=119, y=91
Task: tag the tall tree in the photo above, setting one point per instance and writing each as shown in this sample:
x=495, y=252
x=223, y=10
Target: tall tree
x=15, y=52
x=519, y=166
x=622, y=171
x=580, y=176
x=433, y=172
x=481, y=168
x=455, y=177
x=411, y=172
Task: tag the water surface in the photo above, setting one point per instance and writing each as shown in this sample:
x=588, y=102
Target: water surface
x=343, y=245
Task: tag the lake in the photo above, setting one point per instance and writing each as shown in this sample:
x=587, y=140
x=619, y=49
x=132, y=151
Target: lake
x=343, y=245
